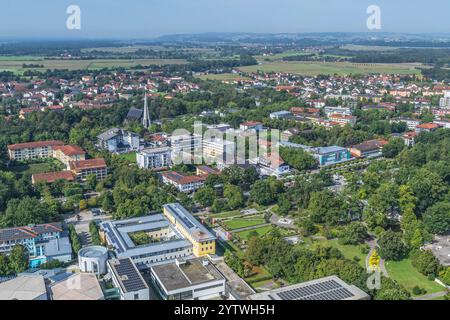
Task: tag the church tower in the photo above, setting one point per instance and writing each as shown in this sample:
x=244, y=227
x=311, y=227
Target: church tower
x=146, y=122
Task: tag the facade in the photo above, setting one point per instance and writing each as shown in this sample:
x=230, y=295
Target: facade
x=251, y=125
x=127, y=278
x=218, y=150
x=117, y=140
x=193, y=279
x=93, y=259
x=410, y=123
x=368, y=149
x=68, y=153
x=338, y=110
x=203, y=241
x=272, y=165
x=410, y=138
x=281, y=115
x=328, y=288
x=33, y=150
x=182, y=182
x=82, y=169
x=342, y=119
x=444, y=102
x=155, y=158
x=183, y=146
x=44, y=242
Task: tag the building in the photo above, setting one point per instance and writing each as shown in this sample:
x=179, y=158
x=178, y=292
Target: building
x=219, y=150
x=272, y=165
x=427, y=127
x=184, y=145
x=155, y=158
x=194, y=279
x=205, y=170
x=330, y=155
x=33, y=150
x=222, y=127
x=411, y=124
x=44, y=242
x=410, y=138
x=68, y=153
x=203, y=241
x=444, y=102
x=328, y=288
x=289, y=133
x=342, y=119
x=24, y=287
x=117, y=140
x=93, y=259
x=79, y=286
x=183, y=183
x=343, y=111
x=51, y=177
x=251, y=125
x=281, y=115
x=126, y=277
x=368, y=149
x=83, y=169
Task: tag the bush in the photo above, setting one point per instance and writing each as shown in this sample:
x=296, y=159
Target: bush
x=418, y=291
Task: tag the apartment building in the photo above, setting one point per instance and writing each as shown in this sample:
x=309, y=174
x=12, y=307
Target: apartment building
x=155, y=158
x=68, y=153
x=82, y=169
x=33, y=150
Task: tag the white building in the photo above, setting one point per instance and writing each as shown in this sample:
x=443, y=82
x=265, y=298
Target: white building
x=155, y=158
x=338, y=110
x=93, y=259
x=218, y=150
x=444, y=102
x=117, y=140
x=195, y=279
x=184, y=145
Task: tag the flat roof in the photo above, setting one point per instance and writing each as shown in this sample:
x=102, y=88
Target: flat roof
x=195, y=228
x=23, y=287
x=174, y=276
x=128, y=276
x=86, y=288
x=328, y=288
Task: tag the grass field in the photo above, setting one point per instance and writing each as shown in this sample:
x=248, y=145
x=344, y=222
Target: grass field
x=36, y=168
x=131, y=157
x=15, y=64
x=223, y=77
x=349, y=251
x=404, y=273
x=341, y=68
x=239, y=223
x=260, y=231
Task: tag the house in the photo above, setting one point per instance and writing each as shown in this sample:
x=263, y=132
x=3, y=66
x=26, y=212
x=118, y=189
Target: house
x=117, y=140
x=272, y=165
x=183, y=183
x=280, y=115
x=82, y=169
x=410, y=123
x=33, y=150
x=371, y=148
x=342, y=119
x=251, y=125
x=409, y=138
x=427, y=127
x=155, y=158
x=218, y=150
x=68, y=153
x=44, y=242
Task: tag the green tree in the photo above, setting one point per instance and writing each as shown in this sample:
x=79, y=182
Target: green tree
x=392, y=246
x=437, y=218
x=393, y=148
x=205, y=196
x=354, y=233
x=18, y=259
x=234, y=195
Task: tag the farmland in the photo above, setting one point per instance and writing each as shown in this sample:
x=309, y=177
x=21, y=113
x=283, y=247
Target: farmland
x=307, y=68
x=16, y=64
x=223, y=77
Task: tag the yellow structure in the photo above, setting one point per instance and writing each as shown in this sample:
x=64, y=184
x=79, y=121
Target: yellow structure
x=203, y=241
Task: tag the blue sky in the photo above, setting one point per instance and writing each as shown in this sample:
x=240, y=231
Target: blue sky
x=150, y=18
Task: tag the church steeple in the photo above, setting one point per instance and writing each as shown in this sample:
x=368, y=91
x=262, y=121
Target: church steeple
x=146, y=121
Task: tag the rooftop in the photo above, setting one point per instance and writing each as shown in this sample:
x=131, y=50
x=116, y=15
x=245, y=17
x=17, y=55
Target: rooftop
x=174, y=276
x=87, y=164
x=128, y=276
x=23, y=287
x=70, y=150
x=28, y=232
x=86, y=288
x=51, y=177
x=36, y=144
x=328, y=288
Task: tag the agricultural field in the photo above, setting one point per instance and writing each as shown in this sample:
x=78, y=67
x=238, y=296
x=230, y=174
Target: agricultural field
x=404, y=273
x=16, y=65
x=223, y=77
x=307, y=68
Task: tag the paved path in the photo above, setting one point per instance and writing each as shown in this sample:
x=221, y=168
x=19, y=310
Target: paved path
x=373, y=246
x=431, y=295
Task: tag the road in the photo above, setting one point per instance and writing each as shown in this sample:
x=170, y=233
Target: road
x=432, y=295
x=82, y=226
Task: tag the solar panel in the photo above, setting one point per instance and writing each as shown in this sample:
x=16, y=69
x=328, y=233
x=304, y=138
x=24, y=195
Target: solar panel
x=133, y=281
x=327, y=290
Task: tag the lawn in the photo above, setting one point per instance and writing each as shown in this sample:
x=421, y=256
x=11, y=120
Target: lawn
x=404, y=273
x=239, y=223
x=37, y=168
x=341, y=68
x=228, y=214
x=260, y=231
x=349, y=251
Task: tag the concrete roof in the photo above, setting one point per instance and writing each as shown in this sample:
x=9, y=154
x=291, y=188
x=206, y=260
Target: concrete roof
x=23, y=287
x=80, y=286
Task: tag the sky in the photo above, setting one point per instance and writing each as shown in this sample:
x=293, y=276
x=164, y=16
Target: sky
x=138, y=19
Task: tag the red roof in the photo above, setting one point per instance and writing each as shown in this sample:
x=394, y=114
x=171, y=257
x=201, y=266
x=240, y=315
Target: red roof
x=36, y=144
x=182, y=179
x=70, y=150
x=428, y=126
x=87, y=164
x=251, y=123
x=50, y=177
